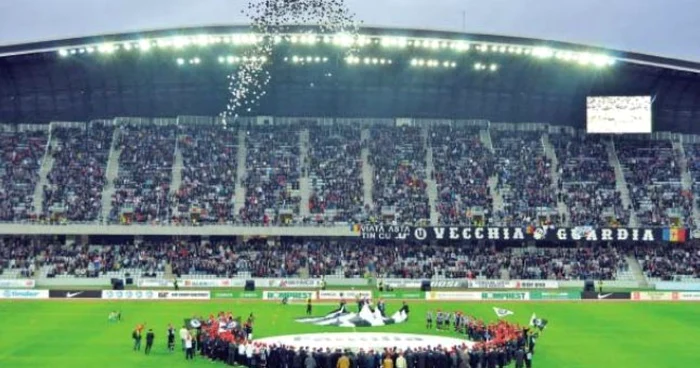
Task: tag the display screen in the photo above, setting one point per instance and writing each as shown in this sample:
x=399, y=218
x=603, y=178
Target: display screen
x=618, y=114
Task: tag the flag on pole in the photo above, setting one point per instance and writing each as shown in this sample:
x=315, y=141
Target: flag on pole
x=500, y=312
x=533, y=319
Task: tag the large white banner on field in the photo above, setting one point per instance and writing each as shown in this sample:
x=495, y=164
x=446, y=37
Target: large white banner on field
x=154, y=295
x=289, y=283
x=344, y=294
x=453, y=295
x=513, y=284
x=17, y=283
x=23, y=294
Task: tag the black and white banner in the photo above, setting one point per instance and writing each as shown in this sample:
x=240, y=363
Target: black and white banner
x=588, y=295
x=75, y=294
x=546, y=233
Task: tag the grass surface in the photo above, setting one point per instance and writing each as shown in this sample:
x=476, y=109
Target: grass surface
x=74, y=334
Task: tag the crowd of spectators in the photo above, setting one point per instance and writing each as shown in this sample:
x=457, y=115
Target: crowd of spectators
x=398, y=156
x=273, y=170
x=654, y=182
x=206, y=193
x=76, y=180
x=20, y=158
x=587, y=181
x=322, y=257
x=524, y=177
x=142, y=188
x=669, y=263
x=462, y=167
x=335, y=172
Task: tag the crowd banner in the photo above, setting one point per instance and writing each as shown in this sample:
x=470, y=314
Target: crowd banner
x=290, y=295
x=289, y=283
x=155, y=283
x=236, y=294
x=677, y=286
x=344, y=294
x=513, y=284
x=402, y=295
x=17, y=283
x=543, y=233
x=555, y=295
x=505, y=295
x=75, y=294
x=654, y=296
x=590, y=295
x=212, y=283
x=453, y=295
x=23, y=294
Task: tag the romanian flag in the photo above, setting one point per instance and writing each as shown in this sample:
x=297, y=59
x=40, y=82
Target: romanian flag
x=355, y=228
x=675, y=235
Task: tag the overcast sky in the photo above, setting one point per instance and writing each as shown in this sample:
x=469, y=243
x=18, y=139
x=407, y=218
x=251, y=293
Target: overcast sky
x=660, y=27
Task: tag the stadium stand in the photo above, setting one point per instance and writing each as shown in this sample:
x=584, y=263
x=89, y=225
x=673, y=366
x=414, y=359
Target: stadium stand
x=335, y=170
x=653, y=180
x=273, y=171
x=208, y=174
x=145, y=170
x=398, y=155
x=587, y=181
x=669, y=263
x=77, y=178
x=20, y=158
x=463, y=166
x=524, y=178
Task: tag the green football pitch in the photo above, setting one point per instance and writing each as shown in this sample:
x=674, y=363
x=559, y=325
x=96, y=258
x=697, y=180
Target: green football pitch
x=76, y=334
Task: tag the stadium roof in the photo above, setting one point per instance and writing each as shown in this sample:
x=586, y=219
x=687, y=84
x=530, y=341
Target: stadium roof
x=396, y=73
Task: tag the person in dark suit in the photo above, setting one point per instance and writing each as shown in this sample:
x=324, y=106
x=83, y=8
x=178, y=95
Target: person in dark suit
x=308, y=307
x=422, y=358
x=528, y=359
x=136, y=335
x=149, y=341
x=171, y=338
x=519, y=358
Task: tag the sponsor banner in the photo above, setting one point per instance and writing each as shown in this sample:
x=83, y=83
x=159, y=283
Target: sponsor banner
x=605, y=296
x=236, y=295
x=154, y=295
x=188, y=295
x=654, y=295
x=582, y=233
x=402, y=295
x=689, y=296
x=292, y=283
x=506, y=296
x=513, y=284
x=17, y=283
x=344, y=294
x=677, y=286
x=555, y=295
x=291, y=295
x=416, y=283
x=211, y=283
x=75, y=294
x=131, y=294
x=155, y=283
x=23, y=294
x=453, y=295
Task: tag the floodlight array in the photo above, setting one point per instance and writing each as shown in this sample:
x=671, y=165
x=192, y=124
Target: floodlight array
x=346, y=41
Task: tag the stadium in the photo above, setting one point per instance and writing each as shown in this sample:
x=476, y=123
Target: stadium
x=466, y=173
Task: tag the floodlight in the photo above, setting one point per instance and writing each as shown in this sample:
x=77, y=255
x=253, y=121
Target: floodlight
x=81, y=51
x=221, y=59
x=63, y=52
x=127, y=47
x=144, y=45
x=196, y=60
x=325, y=59
x=308, y=59
x=543, y=52
x=73, y=52
x=277, y=39
x=295, y=59
x=317, y=59
x=493, y=67
x=414, y=62
x=180, y=61
x=230, y=59
x=454, y=65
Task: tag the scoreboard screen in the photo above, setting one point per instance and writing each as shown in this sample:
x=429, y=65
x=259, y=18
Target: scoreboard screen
x=618, y=114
